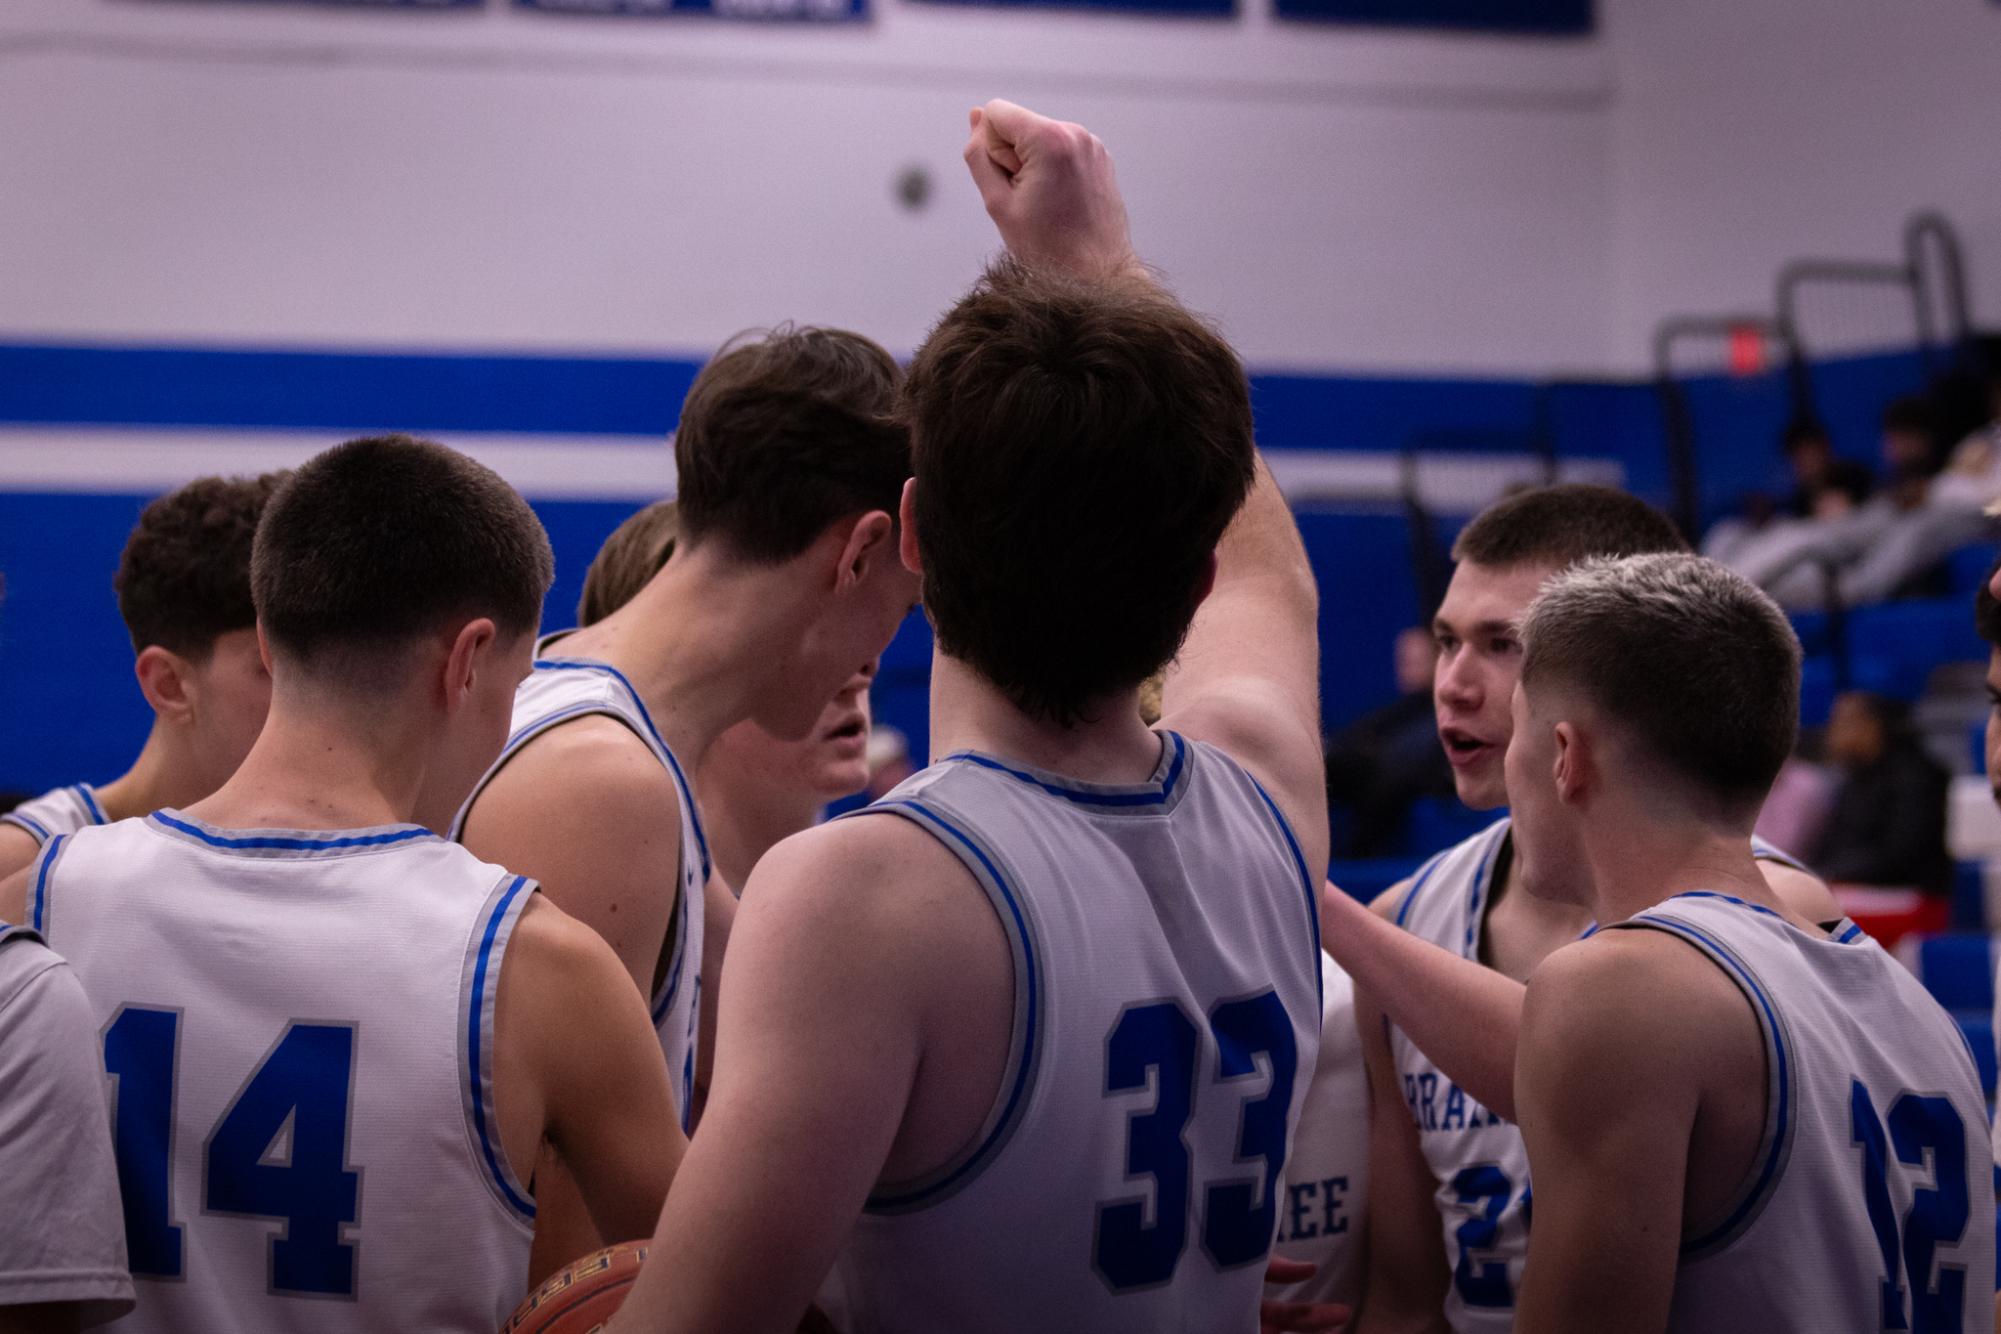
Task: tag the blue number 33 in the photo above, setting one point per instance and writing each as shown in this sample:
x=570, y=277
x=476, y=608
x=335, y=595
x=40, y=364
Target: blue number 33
x=1160, y=1041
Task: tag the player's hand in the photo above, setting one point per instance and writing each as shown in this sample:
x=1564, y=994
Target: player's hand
x=1274, y=1317
x=1049, y=187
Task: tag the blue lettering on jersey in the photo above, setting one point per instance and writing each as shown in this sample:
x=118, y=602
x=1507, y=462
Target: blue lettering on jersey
x=1455, y=1110
x=1307, y=1218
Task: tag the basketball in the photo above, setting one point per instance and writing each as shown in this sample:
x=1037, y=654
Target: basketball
x=582, y=1296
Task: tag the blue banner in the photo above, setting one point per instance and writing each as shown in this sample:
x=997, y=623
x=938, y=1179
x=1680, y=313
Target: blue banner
x=1562, y=18
x=1194, y=8
x=783, y=11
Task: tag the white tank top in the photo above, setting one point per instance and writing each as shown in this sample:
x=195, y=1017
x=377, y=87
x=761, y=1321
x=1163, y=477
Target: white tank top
x=1166, y=1023
x=1870, y=1205
x=298, y=1030
x=557, y=691
x=1478, y=1160
x=1322, y=1214
x=63, y=810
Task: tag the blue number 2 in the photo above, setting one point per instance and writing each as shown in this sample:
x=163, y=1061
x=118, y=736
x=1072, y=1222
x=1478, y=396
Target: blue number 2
x=1937, y=1215
x=303, y=1085
x=1483, y=1283
x=1158, y=1043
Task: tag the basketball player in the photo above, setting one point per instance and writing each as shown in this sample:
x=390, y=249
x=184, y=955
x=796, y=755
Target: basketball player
x=753, y=788
x=183, y=587
x=783, y=584
x=1737, y=1120
x=1021, y=1046
x=302, y=992
x=1439, y=1000
x=62, y=1235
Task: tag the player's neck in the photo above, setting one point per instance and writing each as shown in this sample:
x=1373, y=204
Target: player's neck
x=315, y=769
x=699, y=643
x=967, y=713
x=745, y=820
x=1638, y=861
x=162, y=776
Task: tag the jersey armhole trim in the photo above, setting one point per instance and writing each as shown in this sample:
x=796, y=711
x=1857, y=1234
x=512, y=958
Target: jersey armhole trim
x=1424, y=874
x=1776, y=1146
x=26, y=826
x=38, y=894
x=1306, y=880
x=90, y=806
x=480, y=992
x=1018, y=1079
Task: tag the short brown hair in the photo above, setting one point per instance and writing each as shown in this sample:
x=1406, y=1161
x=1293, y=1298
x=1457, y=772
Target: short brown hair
x=1561, y=525
x=1693, y=659
x=183, y=579
x=375, y=542
x=630, y=557
x=783, y=434
x=1079, y=449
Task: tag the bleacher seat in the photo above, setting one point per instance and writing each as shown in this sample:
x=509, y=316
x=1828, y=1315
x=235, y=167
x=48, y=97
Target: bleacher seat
x=1978, y=1026
x=1966, y=569
x=1958, y=969
x=1366, y=878
x=1895, y=645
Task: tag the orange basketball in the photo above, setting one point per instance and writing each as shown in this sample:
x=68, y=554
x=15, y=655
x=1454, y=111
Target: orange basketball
x=581, y=1296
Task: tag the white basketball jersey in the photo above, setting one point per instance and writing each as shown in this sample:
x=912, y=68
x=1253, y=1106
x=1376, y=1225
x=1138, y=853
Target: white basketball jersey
x=1870, y=1205
x=1478, y=1159
x=557, y=691
x=61, y=811
x=1166, y=1023
x=1321, y=1215
x=298, y=1031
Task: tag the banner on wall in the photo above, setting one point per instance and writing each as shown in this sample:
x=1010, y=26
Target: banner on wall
x=810, y=11
x=1562, y=18
x=1195, y=8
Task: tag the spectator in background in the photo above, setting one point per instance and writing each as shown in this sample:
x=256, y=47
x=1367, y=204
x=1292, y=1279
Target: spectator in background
x=1388, y=758
x=1878, y=548
x=1887, y=827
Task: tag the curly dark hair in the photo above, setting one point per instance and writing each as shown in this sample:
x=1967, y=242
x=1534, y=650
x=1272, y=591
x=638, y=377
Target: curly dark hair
x=184, y=577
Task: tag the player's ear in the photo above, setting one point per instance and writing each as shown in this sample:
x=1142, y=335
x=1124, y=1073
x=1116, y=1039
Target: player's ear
x=1571, y=763
x=164, y=679
x=867, y=541
x=467, y=657
x=906, y=537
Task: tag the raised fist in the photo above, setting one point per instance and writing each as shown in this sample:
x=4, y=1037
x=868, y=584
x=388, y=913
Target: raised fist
x=1049, y=187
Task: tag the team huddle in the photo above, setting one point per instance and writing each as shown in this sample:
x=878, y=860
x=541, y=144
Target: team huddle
x=412, y=972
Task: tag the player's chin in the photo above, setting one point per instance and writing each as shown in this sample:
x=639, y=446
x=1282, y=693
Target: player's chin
x=1481, y=787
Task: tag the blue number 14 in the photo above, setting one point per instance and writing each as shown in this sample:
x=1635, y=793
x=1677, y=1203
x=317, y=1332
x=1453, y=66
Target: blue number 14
x=304, y=1083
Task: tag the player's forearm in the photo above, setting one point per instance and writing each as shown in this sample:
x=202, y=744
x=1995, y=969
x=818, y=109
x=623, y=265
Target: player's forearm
x=1466, y=1018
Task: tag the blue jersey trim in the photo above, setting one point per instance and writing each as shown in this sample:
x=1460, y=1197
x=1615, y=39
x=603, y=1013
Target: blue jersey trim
x=1748, y=982
x=1475, y=905
x=38, y=906
x=89, y=800
x=9, y=931
x=1997, y=1228
x=1424, y=873
x=1004, y=1124
x=1850, y=936
x=476, y=1054
x=1155, y=793
x=292, y=844
x=673, y=764
x=1727, y=898
x=1766, y=852
x=34, y=828
x=1312, y=897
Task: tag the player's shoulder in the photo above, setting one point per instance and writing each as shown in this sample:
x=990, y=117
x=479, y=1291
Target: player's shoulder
x=594, y=763
x=1639, y=990
x=1800, y=890
x=24, y=961
x=18, y=848
x=873, y=875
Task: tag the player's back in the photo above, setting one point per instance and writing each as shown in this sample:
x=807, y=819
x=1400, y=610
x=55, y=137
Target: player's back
x=1167, y=1019
x=298, y=1026
x=1869, y=1204
x=560, y=690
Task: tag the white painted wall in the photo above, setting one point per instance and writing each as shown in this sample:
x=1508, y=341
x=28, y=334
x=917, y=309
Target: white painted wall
x=1342, y=199
x=1746, y=133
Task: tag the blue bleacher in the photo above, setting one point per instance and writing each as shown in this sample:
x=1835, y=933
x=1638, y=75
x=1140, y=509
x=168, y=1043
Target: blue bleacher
x=1958, y=970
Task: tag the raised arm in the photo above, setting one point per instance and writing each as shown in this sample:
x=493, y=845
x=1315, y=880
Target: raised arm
x=1608, y=1094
